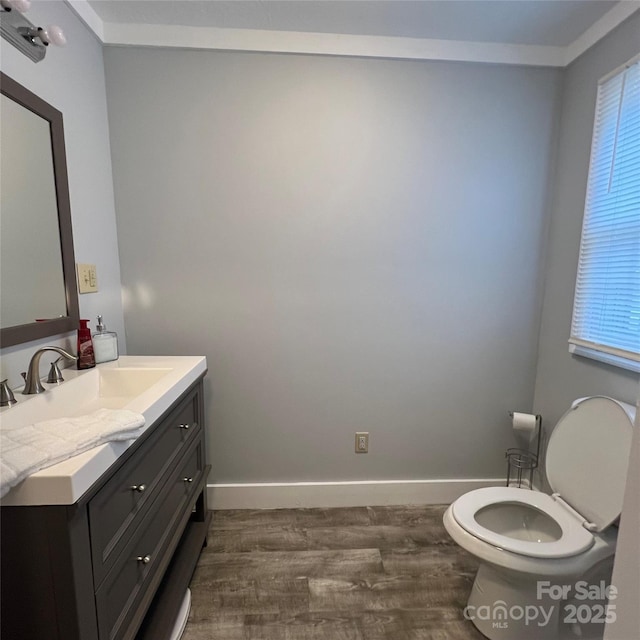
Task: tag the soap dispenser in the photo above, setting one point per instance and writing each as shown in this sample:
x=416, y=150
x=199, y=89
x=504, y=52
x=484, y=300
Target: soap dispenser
x=105, y=343
x=86, y=356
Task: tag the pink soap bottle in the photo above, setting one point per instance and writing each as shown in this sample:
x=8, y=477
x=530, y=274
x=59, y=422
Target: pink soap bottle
x=86, y=357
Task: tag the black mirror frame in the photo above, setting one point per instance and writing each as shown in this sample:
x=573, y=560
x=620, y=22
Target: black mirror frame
x=19, y=334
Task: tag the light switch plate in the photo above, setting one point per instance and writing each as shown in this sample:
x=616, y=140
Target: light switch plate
x=87, y=278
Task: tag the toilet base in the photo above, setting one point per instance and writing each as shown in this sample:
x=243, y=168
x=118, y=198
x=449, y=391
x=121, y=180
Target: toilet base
x=506, y=605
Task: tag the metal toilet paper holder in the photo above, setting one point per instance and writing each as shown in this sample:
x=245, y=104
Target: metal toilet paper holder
x=522, y=461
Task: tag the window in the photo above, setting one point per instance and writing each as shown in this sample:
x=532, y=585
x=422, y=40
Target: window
x=606, y=308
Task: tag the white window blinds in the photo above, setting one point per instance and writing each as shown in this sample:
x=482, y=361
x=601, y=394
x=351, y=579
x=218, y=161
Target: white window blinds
x=606, y=309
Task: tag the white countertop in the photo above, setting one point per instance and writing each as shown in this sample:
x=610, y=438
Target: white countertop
x=67, y=481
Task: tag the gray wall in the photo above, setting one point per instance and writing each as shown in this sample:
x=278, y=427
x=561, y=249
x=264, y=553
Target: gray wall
x=626, y=572
x=353, y=244
x=562, y=377
x=72, y=80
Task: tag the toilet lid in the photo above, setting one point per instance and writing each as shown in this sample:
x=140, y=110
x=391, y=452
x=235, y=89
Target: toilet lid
x=588, y=455
x=574, y=539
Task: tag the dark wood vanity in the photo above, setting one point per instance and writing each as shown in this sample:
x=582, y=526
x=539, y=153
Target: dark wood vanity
x=116, y=564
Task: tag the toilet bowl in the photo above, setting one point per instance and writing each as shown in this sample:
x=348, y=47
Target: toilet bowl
x=539, y=554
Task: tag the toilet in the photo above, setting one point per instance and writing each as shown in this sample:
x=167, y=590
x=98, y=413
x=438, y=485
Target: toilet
x=546, y=560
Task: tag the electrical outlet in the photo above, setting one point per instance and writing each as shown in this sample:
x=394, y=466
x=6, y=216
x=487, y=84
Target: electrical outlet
x=362, y=442
x=87, y=278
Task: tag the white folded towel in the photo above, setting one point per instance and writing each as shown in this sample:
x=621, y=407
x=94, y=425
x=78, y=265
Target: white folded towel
x=28, y=449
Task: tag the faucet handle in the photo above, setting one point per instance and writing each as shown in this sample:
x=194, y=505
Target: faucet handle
x=6, y=395
x=55, y=375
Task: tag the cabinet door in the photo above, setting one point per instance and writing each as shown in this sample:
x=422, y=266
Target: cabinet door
x=123, y=591
x=119, y=507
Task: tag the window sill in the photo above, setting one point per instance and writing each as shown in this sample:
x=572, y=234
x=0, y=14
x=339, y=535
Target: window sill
x=607, y=358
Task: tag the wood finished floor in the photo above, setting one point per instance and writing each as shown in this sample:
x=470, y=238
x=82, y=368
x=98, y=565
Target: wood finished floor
x=366, y=573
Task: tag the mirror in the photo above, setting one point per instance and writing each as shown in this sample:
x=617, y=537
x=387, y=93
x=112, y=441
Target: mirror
x=38, y=291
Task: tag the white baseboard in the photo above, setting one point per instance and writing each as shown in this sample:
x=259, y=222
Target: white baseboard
x=270, y=495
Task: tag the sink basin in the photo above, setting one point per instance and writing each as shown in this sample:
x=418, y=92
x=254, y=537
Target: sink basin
x=145, y=384
x=127, y=383
x=84, y=392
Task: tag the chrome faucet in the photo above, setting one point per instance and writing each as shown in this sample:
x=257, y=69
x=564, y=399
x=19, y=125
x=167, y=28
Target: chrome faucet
x=32, y=382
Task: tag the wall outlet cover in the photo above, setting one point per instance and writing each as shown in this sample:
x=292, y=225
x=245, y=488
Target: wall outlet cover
x=362, y=442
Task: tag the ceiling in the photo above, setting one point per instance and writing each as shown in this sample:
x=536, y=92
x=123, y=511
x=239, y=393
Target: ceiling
x=415, y=27
x=556, y=23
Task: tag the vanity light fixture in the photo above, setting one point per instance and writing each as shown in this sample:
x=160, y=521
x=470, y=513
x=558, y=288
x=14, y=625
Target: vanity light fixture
x=19, y=5
x=24, y=35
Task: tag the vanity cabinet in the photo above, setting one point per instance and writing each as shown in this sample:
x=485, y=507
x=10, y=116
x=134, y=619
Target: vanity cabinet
x=115, y=565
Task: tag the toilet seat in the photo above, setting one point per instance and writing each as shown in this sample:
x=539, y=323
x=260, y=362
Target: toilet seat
x=587, y=458
x=574, y=538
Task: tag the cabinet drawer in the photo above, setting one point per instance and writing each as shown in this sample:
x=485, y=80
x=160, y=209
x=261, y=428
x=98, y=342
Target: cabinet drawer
x=119, y=506
x=118, y=598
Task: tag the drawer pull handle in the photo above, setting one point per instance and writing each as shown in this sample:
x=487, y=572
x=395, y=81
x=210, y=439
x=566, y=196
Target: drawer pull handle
x=188, y=479
x=144, y=559
x=138, y=487
x=184, y=426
